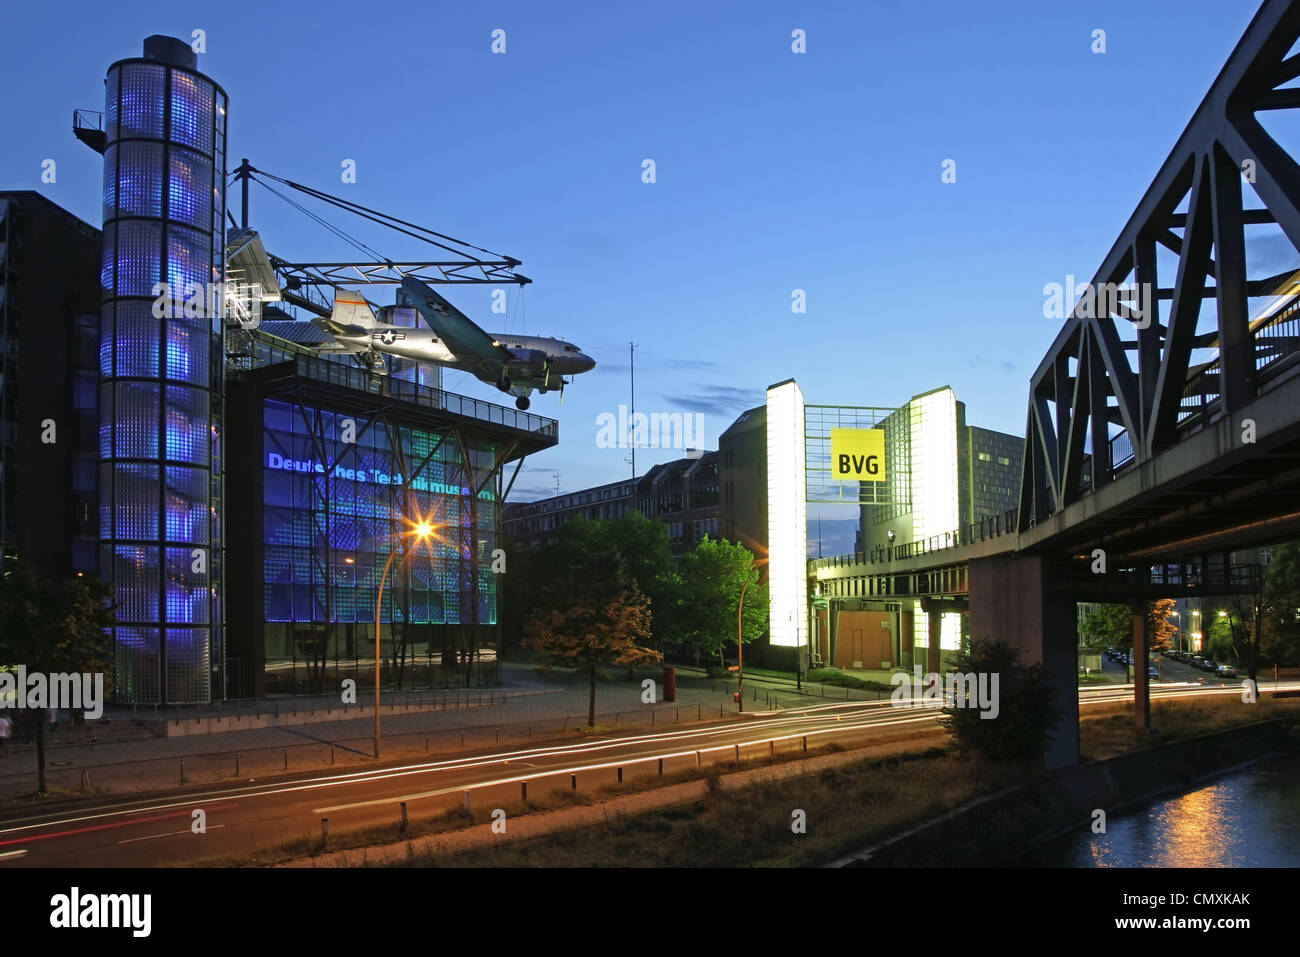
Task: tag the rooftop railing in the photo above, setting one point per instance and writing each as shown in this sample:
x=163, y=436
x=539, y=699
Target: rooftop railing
x=350, y=377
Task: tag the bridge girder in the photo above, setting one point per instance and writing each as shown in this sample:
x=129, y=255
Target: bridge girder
x=1092, y=410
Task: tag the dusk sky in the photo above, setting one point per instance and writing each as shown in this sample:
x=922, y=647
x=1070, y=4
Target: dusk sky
x=775, y=171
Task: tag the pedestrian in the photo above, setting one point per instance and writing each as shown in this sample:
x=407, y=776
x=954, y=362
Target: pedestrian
x=6, y=729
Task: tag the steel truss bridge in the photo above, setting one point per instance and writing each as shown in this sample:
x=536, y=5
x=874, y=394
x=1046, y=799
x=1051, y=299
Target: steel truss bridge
x=1163, y=424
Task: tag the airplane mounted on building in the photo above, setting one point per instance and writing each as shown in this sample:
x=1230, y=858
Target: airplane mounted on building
x=515, y=364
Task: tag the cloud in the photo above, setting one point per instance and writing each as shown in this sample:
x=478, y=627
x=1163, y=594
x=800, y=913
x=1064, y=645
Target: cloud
x=532, y=494
x=650, y=362
x=722, y=400
x=978, y=361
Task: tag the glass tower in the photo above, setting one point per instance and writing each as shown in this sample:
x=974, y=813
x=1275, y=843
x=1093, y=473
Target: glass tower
x=160, y=363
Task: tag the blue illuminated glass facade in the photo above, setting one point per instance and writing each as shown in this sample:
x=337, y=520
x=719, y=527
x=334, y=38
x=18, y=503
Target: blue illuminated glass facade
x=333, y=511
x=161, y=379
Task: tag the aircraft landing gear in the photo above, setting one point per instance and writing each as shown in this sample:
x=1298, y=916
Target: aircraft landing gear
x=503, y=383
x=522, y=403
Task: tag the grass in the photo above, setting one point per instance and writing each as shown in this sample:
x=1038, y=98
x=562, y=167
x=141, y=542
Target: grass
x=1114, y=731
x=1096, y=678
x=833, y=676
x=843, y=808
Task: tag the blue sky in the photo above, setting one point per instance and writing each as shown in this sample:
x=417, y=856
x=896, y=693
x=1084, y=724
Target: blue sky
x=775, y=171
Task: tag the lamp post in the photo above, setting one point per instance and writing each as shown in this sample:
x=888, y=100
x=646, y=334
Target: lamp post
x=422, y=532
x=740, y=640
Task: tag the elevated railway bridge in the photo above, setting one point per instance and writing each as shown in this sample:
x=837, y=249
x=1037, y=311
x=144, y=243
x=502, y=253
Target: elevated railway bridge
x=1163, y=424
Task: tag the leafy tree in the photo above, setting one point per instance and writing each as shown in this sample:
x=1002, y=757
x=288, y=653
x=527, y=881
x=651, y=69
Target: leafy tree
x=1280, y=611
x=1232, y=635
x=593, y=615
x=1160, y=630
x=712, y=577
x=1218, y=640
x=1026, y=715
x=642, y=543
x=1107, y=626
x=54, y=627
x=1112, y=625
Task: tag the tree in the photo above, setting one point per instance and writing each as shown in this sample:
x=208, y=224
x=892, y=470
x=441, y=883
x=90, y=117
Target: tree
x=593, y=615
x=712, y=577
x=54, y=627
x=1107, y=626
x=1112, y=625
x=1160, y=630
x=642, y=543
x=1280, y=607
x=1026, y=707
x=1233, y=633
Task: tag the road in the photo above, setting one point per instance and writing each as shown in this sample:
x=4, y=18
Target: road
x=156, y=830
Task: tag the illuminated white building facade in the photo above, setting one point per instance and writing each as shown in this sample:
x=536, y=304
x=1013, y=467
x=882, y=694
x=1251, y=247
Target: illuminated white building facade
x=787, y=517
x=940, y=475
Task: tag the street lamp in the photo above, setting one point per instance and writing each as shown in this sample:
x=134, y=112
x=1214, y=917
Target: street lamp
x=740, y=640
x=422, y=531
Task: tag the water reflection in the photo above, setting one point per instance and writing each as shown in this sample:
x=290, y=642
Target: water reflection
x=1247, y=819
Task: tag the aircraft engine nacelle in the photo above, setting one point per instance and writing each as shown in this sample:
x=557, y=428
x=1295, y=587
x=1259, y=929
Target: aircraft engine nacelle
x=533, y=360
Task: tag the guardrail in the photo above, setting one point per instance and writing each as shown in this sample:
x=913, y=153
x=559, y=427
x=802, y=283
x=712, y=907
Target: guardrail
x=336, y=373
x=989, y=527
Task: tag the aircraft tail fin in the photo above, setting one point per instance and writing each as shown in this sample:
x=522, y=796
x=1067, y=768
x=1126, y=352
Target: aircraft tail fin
x=351, y=309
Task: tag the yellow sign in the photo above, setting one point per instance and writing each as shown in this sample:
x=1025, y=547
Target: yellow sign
x=858, y=455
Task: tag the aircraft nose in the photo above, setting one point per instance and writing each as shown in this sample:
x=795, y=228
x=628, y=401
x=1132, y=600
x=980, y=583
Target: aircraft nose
x=586, y=363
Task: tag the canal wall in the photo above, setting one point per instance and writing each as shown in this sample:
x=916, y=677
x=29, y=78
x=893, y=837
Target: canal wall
x=997, y=829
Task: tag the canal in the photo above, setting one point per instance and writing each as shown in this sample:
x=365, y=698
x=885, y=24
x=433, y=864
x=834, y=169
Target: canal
x=1248, y=818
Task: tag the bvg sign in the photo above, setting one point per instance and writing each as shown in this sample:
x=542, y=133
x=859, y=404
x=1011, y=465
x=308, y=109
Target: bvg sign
x=858, y=455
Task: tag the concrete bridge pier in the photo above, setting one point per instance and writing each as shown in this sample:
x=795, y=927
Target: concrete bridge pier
x=1141, y=685
x=1012, y=599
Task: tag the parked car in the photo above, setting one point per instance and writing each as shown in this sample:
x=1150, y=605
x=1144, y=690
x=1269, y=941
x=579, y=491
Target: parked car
x=1152, y=672
x=1226, y=671
x=1208, y=665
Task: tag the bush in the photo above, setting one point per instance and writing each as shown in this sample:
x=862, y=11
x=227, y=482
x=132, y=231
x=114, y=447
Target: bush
x=1026, y=709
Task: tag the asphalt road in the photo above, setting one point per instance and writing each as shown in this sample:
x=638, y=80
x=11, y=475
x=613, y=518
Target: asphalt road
x=157, y=830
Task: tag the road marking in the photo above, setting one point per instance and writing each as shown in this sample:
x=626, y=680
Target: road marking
x=103, y=827
x=150, y=837
x=552, y=772
x=8, y=854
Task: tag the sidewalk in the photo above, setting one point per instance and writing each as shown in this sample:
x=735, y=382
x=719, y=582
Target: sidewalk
x=529, y=707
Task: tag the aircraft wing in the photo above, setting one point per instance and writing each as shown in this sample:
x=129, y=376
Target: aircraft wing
x=479, y=352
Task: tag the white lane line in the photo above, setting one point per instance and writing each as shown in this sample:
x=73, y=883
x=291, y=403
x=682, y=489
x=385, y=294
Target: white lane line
x=552, y=772
x=370, y=777
x=150, y=837
x=8, y=854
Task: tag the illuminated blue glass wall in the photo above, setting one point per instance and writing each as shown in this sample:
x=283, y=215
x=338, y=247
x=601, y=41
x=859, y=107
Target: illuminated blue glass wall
x=161, y=377
x=328, y=534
